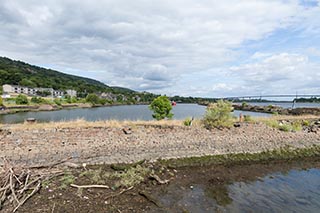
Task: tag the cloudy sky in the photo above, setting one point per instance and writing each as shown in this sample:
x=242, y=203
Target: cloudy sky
x=202, y=48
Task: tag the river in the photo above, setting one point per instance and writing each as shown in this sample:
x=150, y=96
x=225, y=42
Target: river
x=126, y=112
x=130, y=112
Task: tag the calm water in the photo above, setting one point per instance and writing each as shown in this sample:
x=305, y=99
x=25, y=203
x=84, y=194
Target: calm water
x=293, y=191
x=130, y=112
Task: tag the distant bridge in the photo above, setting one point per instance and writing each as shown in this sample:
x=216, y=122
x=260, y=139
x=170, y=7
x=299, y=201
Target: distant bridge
x=248, y=97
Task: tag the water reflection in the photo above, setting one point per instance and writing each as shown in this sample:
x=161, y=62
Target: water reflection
x=294, y=191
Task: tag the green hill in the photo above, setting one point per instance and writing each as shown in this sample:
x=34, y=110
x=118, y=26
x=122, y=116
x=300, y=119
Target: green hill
x=20, y=73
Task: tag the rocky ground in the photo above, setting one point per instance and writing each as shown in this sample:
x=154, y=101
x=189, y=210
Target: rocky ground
x=131, y=143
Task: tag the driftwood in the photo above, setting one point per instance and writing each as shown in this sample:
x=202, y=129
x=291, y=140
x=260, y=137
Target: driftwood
x=17, y=185
x=89, y=186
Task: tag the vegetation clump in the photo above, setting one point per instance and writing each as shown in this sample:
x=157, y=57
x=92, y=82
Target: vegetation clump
x=161, y=107
x=218, y=115
x=22, y=99
x=286, y=127
x=188, y=121
x=132, y=176
x=66, y=180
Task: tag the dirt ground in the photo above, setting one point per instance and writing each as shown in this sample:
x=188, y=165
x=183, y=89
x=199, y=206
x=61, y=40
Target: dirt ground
x=57, y=195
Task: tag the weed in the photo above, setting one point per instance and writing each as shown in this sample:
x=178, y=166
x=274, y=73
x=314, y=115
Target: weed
x=66, y=180
x=188, y=121
x=97, y=176
x=247, y=118
x=305, y=123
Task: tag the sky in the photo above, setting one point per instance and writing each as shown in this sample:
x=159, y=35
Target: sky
x=206, y=48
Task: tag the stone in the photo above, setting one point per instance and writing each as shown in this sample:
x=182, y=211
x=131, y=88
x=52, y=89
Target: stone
x=127, y=131
x=31, y=120
x=237, y=124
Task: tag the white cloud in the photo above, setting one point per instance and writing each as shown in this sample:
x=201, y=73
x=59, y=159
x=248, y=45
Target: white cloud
x=279, y=74
x=152, y=45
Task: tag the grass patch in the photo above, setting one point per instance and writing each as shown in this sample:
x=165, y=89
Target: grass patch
x=131, y=177
x=66, y=180
x=293, y=126
x=96, y=176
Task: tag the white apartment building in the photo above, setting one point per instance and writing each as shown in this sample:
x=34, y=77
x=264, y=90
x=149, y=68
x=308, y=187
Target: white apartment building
x=9, y=89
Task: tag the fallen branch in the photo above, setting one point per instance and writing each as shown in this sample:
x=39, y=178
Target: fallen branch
x=90, y=186
x=13, y=191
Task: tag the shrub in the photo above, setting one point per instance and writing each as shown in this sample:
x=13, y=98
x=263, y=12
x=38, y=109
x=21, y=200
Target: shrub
x=218, y=115
x=37, y=100
x=1, y=101
x=74, y=99
x=92, y=98
x=21, y=99
x=57, y=101
x=161, y=107
x=103, y=101
x=244, y=104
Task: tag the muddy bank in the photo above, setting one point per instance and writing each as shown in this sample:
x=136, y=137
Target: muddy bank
x=151, y=196
x=277, y=110
x=38, y=108
x=47, y=107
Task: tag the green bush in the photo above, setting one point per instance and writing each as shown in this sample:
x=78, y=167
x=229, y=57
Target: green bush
x=92, y=98
x=37, y=100
x=21, y=99
x=57, y=101
x=218, y=115
x=74, y=100
x=161, y=107
x=1, y=101
x=103, y=101
x=244, y=104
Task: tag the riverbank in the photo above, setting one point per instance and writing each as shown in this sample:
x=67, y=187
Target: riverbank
x=48, y=107
x=126, y=142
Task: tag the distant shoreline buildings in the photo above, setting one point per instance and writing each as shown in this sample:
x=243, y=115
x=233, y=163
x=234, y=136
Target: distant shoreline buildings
x=16, y=89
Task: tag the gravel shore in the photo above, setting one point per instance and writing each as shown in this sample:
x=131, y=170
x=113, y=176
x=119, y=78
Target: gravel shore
x=95, y=145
